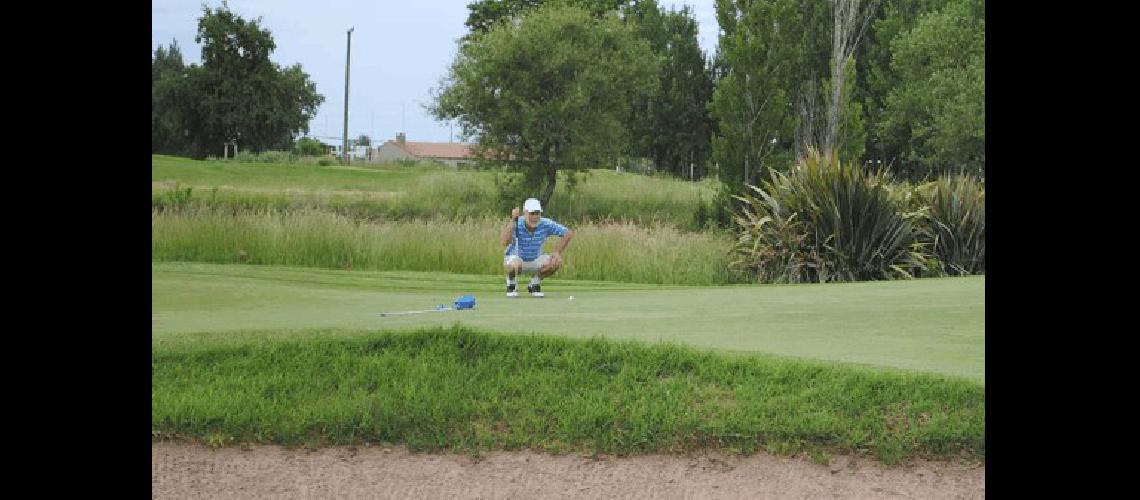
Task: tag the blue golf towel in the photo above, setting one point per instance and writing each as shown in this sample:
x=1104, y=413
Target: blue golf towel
x=465, y=302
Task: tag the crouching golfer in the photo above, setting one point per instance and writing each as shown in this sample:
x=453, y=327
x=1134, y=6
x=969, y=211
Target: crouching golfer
x=524, y=240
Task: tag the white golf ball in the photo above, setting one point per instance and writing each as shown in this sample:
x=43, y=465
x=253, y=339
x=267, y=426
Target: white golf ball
x=571, y=297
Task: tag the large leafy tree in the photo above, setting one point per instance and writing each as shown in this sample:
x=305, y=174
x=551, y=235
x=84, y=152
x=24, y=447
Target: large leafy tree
x=550, y=91
x=937, y=113
x=905, y=102
x=790, y=82
x=876, y=78
x=825, y=84
x=167, y=71
x=248, y=98
x=809, y=82
x=237, y=95
x=759, y=52
x=671, y=125
x=483, y=14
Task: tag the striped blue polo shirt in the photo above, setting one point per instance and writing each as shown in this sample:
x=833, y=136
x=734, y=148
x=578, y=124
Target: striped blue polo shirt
x=531, y=243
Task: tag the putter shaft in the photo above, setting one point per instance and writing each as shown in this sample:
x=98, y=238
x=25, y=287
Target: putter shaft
x=384, y=314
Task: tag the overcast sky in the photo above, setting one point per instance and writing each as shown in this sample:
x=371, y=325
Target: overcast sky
x=400, y=51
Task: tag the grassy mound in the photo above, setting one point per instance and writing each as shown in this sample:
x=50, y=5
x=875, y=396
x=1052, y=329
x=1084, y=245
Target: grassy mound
x=463, y=390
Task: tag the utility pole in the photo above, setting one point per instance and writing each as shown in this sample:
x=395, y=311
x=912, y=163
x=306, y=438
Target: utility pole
x=347, y=59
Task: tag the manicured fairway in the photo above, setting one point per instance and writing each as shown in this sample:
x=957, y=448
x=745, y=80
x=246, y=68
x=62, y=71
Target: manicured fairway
x=933, y=325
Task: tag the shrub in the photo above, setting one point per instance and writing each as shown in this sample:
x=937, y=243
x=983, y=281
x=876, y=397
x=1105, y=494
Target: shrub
x=179, y=197
x=772, y=245
x=265, y=157
x=955, y=225
x=827, y=221
x=307, y=146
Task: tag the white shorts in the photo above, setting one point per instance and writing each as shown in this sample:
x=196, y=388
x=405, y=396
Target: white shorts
x=528, y=267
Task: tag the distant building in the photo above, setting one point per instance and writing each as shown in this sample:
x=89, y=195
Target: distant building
x=356, y=153
x=450, y=153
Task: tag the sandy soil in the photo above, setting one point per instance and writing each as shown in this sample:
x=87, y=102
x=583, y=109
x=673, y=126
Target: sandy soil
x=180, y=470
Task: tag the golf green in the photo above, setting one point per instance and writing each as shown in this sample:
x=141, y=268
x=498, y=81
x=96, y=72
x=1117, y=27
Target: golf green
x=930, y=325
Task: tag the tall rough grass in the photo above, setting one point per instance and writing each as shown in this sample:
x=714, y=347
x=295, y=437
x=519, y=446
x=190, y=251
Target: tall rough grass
x=315, y=238
x=608, y=195
x=266, y=157
x=397, y=192
x=447, y=194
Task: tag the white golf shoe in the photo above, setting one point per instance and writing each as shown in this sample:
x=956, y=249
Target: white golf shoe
x=511, y=292
x=535, y=291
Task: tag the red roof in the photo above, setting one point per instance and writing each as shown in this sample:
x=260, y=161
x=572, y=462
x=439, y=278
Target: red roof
x=437, y=149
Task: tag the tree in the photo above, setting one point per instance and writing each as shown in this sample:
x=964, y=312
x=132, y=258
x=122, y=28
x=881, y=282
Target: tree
x=672, y=125
x=167, y=71
x=237, y=94
x=363, y=140
x=166, y=61
x=938, y=110
x=759, y=50
x=485, y=13
x=249, y=99
x=550, y=91
x=810, y=82
x=826, y=106
x=307, y=146
x=852, y=132
x=876, y=78
x=850, y=18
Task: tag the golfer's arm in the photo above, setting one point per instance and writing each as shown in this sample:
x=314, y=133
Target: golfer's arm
x=505, y=235
x=563, y=241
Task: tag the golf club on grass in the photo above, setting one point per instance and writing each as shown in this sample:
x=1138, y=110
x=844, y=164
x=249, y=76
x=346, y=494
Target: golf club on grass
x=464, y=302
x=439, y=308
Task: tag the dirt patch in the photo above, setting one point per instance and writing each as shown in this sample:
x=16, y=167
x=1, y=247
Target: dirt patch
x=180, y=470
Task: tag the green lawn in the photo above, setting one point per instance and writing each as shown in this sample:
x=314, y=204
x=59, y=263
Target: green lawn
x=388, y=178
x=269, y=176
x=425, y=191
x=933, y=325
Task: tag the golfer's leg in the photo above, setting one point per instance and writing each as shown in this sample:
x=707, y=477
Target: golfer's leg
x=534, y=268
x=512, y=265
x=549, y=267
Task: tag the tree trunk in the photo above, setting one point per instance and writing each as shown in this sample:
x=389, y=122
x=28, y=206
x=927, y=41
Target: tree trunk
x=849, y=22
x=551, y=176
x=832, y=137
x=805, y=134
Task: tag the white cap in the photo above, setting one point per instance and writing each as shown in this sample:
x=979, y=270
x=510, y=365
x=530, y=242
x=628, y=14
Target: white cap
x=532, y=205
